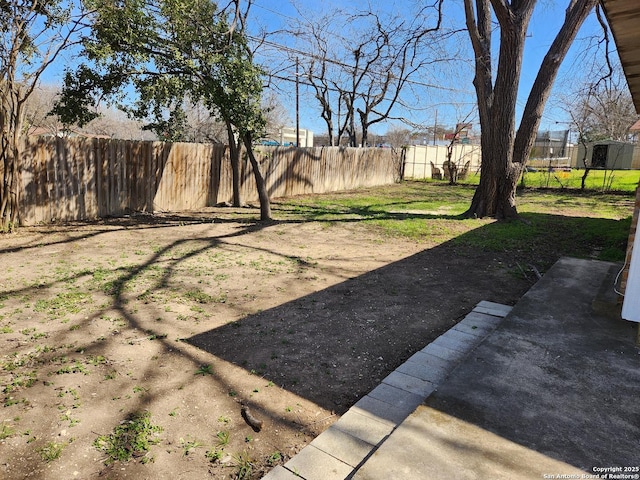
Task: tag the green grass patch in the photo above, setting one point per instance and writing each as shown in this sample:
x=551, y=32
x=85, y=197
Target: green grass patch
x=51, y=451
x=20, y=381
x=597, y=180
x=63, y=303
x=198, y=296
x=394, y=202
x=133, y=438
x=600, y=238
x=553, y=222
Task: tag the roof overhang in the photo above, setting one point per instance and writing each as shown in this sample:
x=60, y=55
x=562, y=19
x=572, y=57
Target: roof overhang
x=624, y=20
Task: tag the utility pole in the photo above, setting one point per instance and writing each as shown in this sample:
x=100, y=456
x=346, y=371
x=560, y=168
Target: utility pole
x=435, y=127
x=297, y=106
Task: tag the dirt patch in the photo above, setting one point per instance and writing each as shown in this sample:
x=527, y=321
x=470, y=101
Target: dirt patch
x=190, y=318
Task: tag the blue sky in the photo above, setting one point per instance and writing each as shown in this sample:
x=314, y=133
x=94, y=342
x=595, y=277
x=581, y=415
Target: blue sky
x=546, y=21
x=450, y=103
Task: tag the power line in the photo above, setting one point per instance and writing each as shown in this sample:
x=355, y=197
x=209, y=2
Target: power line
x=275, y=12
x=297, y=52
x=344, y=65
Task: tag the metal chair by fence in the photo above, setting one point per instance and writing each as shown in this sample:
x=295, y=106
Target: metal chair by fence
x=435, y=172
x=462, y=174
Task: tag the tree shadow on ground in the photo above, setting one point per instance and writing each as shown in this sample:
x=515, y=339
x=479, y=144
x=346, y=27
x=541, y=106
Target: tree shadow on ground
x=335, y=345
x=330, y=347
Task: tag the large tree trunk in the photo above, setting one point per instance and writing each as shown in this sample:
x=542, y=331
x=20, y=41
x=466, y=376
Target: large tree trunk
x=11, y=123
x=10, y=190
x=504, y=150
x=263, y=194
x=496, y=195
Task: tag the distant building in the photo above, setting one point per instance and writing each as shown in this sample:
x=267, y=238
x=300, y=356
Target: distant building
x=461, y=134
x=287, y=137
x=551, y=144
x=634, y=131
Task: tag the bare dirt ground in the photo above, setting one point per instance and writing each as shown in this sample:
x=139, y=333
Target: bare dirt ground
x=188, y=318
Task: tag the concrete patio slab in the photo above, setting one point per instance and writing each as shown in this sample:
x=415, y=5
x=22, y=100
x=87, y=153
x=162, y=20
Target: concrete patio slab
x=551, y=393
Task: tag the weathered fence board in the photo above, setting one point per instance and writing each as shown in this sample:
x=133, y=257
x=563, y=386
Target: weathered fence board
x=83, y=179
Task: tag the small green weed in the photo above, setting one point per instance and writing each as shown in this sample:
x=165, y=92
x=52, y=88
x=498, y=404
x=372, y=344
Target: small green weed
x=66, y=417
x=132, y=438
x=156, y=336
x=223, y=438
x=243, y=464
x=6, y=431
x=205, y=369
x=189, y=446
x=274, y=459
x=51, y=451
x=214, y=455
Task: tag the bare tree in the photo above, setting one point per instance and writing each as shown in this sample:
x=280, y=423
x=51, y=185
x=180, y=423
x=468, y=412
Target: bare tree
x=607, y=110
x=454, y=168
x=40, y=120
x=323, y=70
x=202, y=127
x=505, y=149
x=398, y=136
x=114, y=123
x=33, y=36
x=358, y=77
x=396, y=53
x=37, y=111
x=601, y=111
x=275, y=114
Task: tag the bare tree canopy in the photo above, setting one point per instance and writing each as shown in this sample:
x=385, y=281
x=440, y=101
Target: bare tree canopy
x=604, y=110
x=358, y=63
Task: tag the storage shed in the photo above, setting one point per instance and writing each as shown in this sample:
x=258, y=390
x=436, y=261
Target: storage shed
x=609, y=155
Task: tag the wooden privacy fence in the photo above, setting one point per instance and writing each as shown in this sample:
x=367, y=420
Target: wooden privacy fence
x=83, y=179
